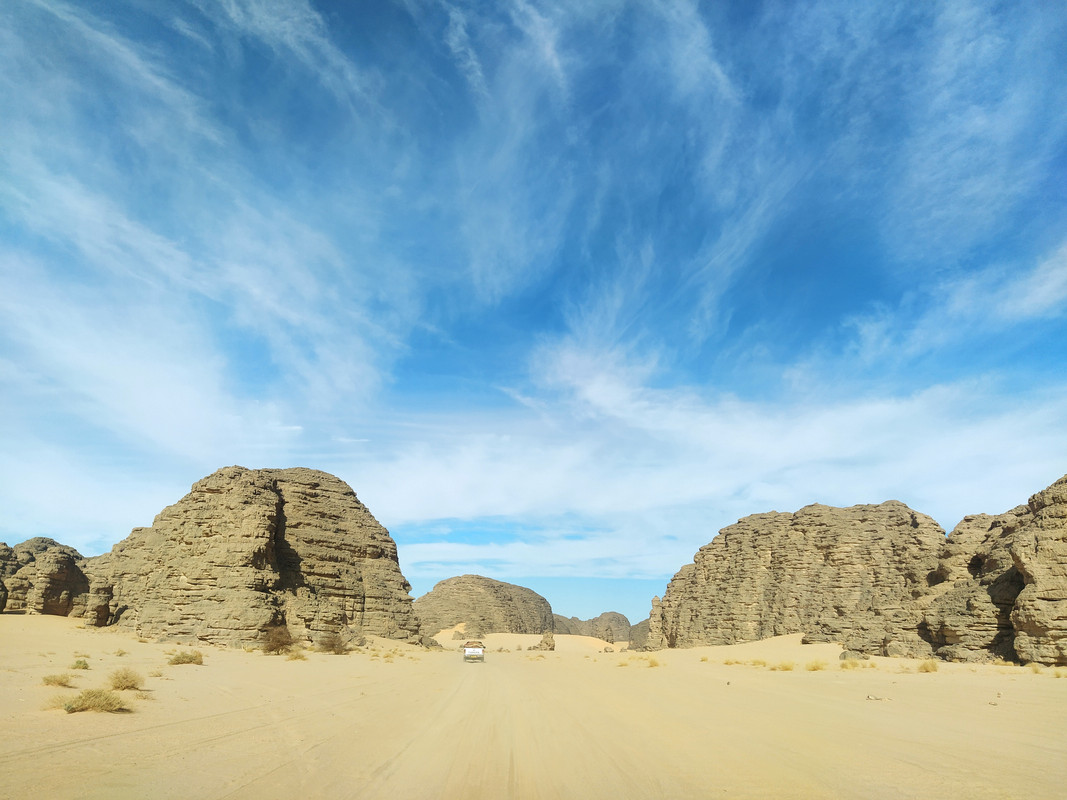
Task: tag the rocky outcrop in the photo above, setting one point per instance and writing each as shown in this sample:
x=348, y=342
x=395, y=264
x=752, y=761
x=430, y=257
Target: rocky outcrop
x=850, y=575
x=250, y=550
x=639, y=635
x=611, y=626
x=43, y=576
x=968, y=610
x=547, y=643
x=485, y=605
x=878, y=580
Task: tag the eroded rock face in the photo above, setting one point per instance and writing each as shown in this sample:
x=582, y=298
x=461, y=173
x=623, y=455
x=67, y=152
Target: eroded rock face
x=43, y=576
x=850, y=575
x=1039, y=553
x=247, y=550
x=611, y=626
x=485, y=605
x=968, y=614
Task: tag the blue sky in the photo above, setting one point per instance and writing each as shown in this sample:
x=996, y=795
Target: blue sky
x=560, y=288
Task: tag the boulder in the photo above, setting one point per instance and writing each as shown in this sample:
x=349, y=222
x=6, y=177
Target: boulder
x=485, y=605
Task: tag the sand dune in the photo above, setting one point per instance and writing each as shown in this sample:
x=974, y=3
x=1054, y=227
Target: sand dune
x=400, y=722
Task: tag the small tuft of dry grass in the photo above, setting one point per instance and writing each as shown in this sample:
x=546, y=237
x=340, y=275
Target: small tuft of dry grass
x=57, y=680
x=1059, y=673
x=850, y=663
x=296, y=655
x=187, y=657
x=703, y=659
x=120, y=652
x=125, y=678
x=1036, y=668
x=623, y=664
x=102, y=700
x=757, y=662
x=81, y=663
x=156, y=673
x=815, y=666
x=783, y=666
x=653, y=662
x=929, y=665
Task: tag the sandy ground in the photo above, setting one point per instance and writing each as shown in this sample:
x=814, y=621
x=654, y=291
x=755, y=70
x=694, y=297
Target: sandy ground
x=396, y=721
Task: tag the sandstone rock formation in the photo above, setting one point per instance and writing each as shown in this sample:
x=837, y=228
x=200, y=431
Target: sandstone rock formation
x=968, y=610
x=881, y=580
x=485, y=605
x=639, y=635
x=850, y=575
x=611, y=626
x=548, y=642
x=1004, y=585
x=249, y=550
x=43, y=576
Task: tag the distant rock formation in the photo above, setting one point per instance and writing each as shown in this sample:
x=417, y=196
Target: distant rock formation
x=850, y=575
x=611, y=626
x=881, y=580
x=639, y=635
x=42, y=576
x=249, y=550
x=485, y=605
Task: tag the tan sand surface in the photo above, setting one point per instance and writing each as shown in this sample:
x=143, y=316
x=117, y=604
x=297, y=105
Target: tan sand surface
x=399, y=722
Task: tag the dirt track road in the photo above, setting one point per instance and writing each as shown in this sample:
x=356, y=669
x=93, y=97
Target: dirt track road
x=575, y=724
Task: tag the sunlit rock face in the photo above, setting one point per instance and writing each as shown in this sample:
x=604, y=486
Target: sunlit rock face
x=249, y=550
x=850, y=575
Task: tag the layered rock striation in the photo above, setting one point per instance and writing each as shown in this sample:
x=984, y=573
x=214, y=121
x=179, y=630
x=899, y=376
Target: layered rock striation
x=881, y=580
x=249, y=550
x=485, y=606
x=836, y=574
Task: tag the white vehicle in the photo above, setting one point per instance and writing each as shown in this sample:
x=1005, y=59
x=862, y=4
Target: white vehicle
x=474, y=651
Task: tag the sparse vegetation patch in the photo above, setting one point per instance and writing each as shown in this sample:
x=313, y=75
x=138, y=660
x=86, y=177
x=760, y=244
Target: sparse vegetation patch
x=57, y=680
x=187, y=657
x=81, y=663
x=125, y=678
x=101, y=700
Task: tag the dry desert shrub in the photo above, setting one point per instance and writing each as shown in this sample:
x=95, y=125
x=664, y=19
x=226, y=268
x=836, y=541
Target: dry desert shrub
x=703, y=659
x=623, y=664
x=783, y=666
x=156, y=673
x=929, y=665
x=125, y=678
x=94, y=700
x=757, y=662
x=277, y=640
x=815, y=666
x=850, y=663
x=296, y=655
x=1060, y=673
x=120, y=652
x=187, y=657
x=57, y=680
x=81, y=663
x=1036, y=668
x=652, y=662
x=331, y=643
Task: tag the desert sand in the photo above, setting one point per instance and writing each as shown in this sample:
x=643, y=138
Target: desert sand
x=397, y=721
